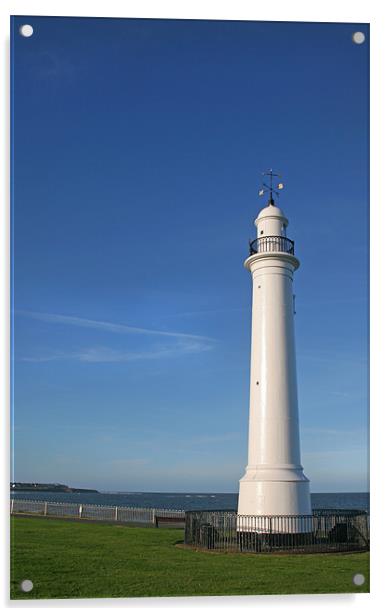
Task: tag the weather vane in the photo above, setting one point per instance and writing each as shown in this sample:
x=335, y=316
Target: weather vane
x=270, y=188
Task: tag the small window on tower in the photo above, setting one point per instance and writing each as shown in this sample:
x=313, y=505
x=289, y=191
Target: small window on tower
x=261, y=232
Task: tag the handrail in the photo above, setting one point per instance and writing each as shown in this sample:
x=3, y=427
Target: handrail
x=271, y=243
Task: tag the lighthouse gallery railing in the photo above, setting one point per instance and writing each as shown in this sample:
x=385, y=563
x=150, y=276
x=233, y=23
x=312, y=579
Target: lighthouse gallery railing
x=272, y=243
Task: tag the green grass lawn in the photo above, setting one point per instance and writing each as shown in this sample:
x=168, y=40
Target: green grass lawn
x=66, y=559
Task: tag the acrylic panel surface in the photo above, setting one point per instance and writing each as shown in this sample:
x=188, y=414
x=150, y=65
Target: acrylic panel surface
x=137, y=152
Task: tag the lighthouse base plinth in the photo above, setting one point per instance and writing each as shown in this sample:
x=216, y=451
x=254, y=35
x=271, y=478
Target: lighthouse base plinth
x=265, y=496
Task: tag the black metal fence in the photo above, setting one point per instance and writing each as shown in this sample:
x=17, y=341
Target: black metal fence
x=272, y=243
x=332, y=530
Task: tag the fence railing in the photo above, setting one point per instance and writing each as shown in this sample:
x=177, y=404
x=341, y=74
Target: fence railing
x=332, y=531
x=149, y=516
x=272, y=243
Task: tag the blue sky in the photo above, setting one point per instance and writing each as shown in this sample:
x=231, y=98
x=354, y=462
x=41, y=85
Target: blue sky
x=137, y=152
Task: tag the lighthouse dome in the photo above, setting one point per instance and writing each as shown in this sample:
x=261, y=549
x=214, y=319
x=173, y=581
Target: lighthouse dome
x=271, y=211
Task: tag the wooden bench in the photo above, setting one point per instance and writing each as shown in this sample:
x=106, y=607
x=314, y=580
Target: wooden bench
x=169, y=521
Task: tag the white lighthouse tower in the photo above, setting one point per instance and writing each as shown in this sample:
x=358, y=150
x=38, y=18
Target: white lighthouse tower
x=274, y=483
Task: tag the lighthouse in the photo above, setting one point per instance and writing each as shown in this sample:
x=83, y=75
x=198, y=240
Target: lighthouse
x=274, y=482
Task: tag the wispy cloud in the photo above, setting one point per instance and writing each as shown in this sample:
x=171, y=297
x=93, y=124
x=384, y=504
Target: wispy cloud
x=51, y=67
x=180, y=344
x=109, y=355
x=331, y=454
x=117, y=328
x=319, y=431
x=333, y=358
x=215, y=438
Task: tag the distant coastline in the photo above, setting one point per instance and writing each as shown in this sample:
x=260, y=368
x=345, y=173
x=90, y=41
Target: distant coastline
x=48, y=487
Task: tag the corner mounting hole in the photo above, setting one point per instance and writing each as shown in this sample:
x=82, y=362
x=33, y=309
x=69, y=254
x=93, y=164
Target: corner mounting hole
x=358, y=38
x=358, y=579
x=26, y=30
x=26, y=585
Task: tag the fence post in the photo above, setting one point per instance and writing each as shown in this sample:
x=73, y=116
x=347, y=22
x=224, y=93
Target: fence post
x=45, y=508
x=116, y=514
x=153, y=516
x=80, y=510
x=11, y=505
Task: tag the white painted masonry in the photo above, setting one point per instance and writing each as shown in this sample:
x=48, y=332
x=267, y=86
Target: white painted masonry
x=274, y=483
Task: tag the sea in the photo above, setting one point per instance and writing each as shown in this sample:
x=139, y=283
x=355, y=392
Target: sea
x=187, y=501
